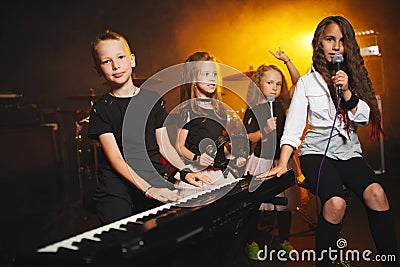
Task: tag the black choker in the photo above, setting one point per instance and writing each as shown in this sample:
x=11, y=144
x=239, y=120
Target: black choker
x=204, y=100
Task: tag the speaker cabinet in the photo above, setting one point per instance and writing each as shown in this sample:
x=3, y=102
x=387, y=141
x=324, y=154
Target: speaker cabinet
x=375, y=68
x=373, y=149
x=31, y=180
x=370, y=48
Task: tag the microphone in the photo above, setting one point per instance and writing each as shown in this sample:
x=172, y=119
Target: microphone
x=270, y=99
x=208, y=146
x=210, y=150
x=338, y=59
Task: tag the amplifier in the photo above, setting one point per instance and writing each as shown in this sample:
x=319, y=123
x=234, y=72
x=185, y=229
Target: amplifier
x=16, y=115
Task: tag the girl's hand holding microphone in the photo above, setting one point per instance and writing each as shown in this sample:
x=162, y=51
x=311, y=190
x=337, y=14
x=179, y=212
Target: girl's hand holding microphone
x=205, y=160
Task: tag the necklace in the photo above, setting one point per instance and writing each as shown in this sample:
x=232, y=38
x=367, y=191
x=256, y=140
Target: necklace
x=204, y=103
x=134, y=93
x=204, y=100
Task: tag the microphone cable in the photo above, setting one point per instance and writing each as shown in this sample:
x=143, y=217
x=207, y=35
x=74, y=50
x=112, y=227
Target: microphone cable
x=324, y=156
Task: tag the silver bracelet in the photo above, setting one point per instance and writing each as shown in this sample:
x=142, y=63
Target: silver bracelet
x=147, y=190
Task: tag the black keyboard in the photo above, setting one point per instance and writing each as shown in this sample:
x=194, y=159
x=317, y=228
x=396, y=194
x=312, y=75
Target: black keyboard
x=144, y=237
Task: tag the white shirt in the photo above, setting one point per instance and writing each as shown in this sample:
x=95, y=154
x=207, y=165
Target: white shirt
x=312, y=97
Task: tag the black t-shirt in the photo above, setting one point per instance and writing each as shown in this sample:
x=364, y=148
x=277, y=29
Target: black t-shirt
x=107, y=116
x=202, y=125
x=264, y=149
x=146, y=111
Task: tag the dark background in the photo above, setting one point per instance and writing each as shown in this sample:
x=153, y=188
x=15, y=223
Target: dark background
x=46, y=44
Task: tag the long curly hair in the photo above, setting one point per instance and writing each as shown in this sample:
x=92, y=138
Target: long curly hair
x=353, y=64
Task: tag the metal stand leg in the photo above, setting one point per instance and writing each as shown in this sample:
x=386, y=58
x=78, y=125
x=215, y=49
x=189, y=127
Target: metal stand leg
x=382, y=169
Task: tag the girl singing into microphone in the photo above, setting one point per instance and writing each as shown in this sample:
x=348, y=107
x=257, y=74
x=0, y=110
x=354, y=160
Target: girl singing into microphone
x=330, y=154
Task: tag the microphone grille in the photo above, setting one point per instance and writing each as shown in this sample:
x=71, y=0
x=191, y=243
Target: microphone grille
x=210, y=150
x=337, y=58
